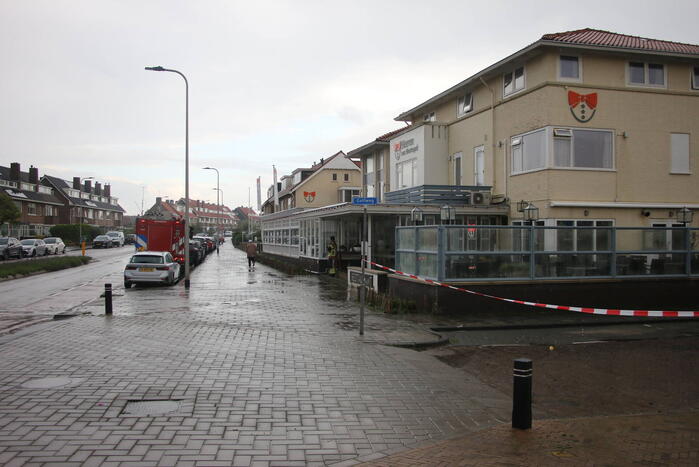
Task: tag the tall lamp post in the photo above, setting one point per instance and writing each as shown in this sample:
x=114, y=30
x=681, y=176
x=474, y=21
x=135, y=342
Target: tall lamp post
x=186, y=168
x=218, y=206
x=80, y=220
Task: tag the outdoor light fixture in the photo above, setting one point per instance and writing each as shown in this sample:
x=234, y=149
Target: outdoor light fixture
x=531, y=213
x=416, y=215
x=186, y=167
x=685, y=216
x=218, y=205
x=521, y=205
x=447, y=213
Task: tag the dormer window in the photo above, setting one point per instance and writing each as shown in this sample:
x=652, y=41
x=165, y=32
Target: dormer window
x=429, y=117
x=464, y=104
x=513, y=81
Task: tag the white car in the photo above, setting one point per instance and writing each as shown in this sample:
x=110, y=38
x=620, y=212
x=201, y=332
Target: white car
x=153, y=267
x=116, y=237
x=55, y=245
x=34, y=247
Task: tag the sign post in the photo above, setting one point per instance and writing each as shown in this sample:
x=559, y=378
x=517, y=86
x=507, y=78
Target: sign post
x=362, y=288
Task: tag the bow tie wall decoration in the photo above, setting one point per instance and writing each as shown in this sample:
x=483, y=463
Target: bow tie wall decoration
x=581, y=105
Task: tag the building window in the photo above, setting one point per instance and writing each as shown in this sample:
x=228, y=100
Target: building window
x=334, y=177
x=346, y=177
x=588, y=239
x=529, y=151
x=582, y=148
x=429, y=117
x=347, y=195
x=679, y=148
x=695, y=77
x=569, y=67
x=457, y=168
x=406, y=174
x=464, y=104
x=27, y=186
x=31, y=209
x=646, y=74
x=479, y=166
x=513, y=81
x=49, y=211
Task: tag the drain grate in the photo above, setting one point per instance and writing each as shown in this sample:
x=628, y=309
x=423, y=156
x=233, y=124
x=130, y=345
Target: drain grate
x=152, y=407
x=47, y=383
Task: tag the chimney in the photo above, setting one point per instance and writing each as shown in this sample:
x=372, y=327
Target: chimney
x=33, y=175
x=98, y=188
x=88, y=186
x=14, y=172
x=76, y=183
x=107, y=190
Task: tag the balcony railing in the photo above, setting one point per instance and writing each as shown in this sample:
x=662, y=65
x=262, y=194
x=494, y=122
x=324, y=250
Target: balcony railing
x=435, y=194
x=460, y=253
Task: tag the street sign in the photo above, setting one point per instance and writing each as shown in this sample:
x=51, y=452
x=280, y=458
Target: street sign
x=358, y=200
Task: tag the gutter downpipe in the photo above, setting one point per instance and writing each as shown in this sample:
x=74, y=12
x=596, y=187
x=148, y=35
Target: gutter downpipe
x=492, y=134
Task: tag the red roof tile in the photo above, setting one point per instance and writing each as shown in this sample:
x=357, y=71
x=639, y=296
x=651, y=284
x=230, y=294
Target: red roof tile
x=595, y=37
x=387, y=136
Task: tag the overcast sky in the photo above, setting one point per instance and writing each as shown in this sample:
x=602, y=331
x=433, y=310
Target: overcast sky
x=271, y=82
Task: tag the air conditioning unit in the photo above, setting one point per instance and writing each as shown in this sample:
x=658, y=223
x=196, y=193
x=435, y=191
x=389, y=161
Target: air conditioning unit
x=480, y=198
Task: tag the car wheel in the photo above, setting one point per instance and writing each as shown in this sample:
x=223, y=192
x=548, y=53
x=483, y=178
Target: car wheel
x=33, y=253
x=127, y=284
x=5, y=255
x=46, y=252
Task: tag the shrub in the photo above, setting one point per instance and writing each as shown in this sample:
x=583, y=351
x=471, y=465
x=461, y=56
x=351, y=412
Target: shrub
x=71, y=232
x=23, y=268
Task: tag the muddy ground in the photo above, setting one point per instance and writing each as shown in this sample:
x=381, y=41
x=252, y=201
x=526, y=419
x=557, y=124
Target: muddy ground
x=608, y=378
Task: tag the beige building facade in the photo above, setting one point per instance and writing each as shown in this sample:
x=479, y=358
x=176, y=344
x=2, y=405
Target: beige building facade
x=583, y=128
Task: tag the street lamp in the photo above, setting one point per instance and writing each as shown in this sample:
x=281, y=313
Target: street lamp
x=685, y=216
x=218, y=206
x=80, y=219
x=186, y=168
x=531, y=213
x=416, y=215
x=220, y=211
x=447, y=213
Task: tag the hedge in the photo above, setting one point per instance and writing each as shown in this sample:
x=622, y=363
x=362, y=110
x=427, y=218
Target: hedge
x=26, y=267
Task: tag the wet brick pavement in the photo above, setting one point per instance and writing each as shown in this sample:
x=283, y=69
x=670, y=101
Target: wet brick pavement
x=267, y=369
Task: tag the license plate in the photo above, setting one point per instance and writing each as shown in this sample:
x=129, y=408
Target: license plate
x=146, y=269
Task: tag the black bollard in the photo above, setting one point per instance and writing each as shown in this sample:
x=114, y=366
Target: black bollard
x=107, y=299
x=522, y=394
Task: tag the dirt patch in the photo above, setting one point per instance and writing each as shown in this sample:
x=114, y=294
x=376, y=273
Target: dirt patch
x=609, y=378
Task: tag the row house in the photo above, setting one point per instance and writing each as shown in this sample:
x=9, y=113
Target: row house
x=208, y=216
x=84, y=203
x=38, y=205
x=46, y=201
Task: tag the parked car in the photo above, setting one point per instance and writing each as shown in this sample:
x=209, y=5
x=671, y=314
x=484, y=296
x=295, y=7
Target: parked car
x=10, y=247
x=208, y=242
x=130, y=239
x=55, y=245
x=153, y=267
x=196, y=252
x=34, y=247
x=102, y=241
x=117, y=238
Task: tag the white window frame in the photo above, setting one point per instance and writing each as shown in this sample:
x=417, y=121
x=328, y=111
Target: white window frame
x=579, y=79
x=462, y=108
x=518, y=141
x=680, y=160
x=645, y=83
x=400, y=182
x=32, y=209
x=476, y=150
x=429, y=117
x=562, y=132
x=515, y=90
x=458, y=174
x=694, y=78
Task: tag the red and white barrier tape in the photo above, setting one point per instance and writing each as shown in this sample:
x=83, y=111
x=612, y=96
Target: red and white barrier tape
x=593, y=311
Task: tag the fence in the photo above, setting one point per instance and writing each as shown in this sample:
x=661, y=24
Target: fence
x=474, y=252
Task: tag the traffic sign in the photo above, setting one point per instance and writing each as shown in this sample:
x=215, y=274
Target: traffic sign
x=359, y=200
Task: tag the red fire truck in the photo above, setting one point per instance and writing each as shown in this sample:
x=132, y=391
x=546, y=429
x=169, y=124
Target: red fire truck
x=161, y=235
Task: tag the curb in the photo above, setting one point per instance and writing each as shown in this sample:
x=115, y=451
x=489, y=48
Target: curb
x=556, y=325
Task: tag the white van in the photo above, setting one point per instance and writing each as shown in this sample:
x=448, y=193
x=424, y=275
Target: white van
x=116, y=237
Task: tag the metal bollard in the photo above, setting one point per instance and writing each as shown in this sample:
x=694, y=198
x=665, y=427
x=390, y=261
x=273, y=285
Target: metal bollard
x=107, y=299
x=522, y=394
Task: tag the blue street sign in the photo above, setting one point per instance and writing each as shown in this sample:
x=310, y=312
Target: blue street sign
x=358, y=200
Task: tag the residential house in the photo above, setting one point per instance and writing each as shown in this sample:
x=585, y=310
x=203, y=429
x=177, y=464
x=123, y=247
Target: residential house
x=83, y=203
x=38, y=204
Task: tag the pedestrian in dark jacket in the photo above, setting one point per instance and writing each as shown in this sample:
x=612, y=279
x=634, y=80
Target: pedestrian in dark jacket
x=251, y=250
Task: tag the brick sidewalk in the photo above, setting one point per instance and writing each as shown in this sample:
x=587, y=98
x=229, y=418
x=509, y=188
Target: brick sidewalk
x=268, y=369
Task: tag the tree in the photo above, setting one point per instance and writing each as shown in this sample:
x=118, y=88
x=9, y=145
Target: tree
x=9, y=212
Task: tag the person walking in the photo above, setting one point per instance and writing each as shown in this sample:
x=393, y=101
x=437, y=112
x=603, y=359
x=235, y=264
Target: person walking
x=251, y=250
x=332, y=256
